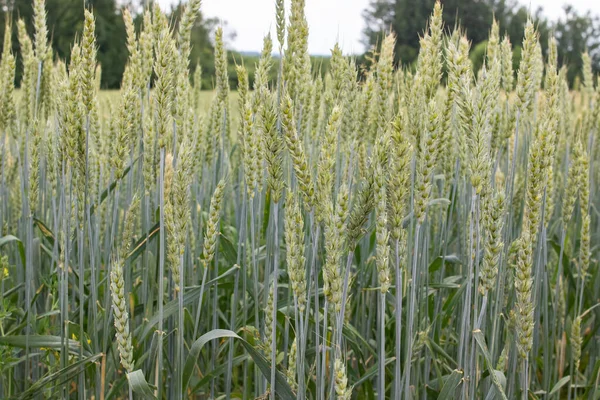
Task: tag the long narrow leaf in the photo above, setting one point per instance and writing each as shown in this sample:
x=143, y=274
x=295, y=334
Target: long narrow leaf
x=450, y=385
x=47, y=341
x=282, y=388
x=139, y=385
x=486, y=354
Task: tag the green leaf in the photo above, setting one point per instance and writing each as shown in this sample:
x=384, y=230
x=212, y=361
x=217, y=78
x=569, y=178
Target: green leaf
x=366, y=387
x=436, y=348
x=439, y=177
x=480, y=339
x=14, y=362
x=218, y=371
x=454, y=298
x=64, y=375
x=372, y=372
x=266, y=213
x=141, y=244
x=228, y=249
x=350, y=333
x=47, y=232
x=566, y=263
x=48, y=341
x=441, y=200
x=138, y=383
x=151, y=354
x=560, y=384
x=437, y=263
x=112, y=187
x=444, y=285
x=190, y=362
x=13, y=290
x=431, y=392
x=190, y=296
x=596, y=373
x=4, y=240
x=533, y=396
x=450, y=385
x=282, y=388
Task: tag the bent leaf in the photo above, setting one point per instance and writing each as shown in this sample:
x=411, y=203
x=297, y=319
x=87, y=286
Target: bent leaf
x=450, y=385
x=138, y=383
x=282, y=389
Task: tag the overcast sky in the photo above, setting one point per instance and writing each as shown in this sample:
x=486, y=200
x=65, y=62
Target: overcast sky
x=328, y=20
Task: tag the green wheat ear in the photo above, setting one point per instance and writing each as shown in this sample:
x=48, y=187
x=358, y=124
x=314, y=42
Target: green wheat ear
x=294, y=239
x=267, y=343
x=341, y=381
x=494, y=221
x=119, y=298
x=291, y=370
x=297, y=153
x=7, y=74
x=212, y=225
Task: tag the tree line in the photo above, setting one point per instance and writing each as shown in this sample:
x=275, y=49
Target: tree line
x=65, y=25
x=575, y=32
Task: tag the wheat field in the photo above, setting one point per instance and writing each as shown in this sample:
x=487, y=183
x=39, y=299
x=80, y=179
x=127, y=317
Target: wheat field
x=406, y=233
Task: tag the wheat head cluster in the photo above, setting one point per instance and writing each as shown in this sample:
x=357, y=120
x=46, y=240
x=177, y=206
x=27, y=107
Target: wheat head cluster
x=375, y=231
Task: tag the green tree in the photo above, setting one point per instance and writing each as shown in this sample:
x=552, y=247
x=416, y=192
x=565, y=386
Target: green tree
x=575, y=34
x=65, y=24
x=408, y=20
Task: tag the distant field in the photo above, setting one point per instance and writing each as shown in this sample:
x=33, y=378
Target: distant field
x=107, y=97
x=205, y=98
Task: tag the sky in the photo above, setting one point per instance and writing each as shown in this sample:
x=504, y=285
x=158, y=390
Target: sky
x=328, y=20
